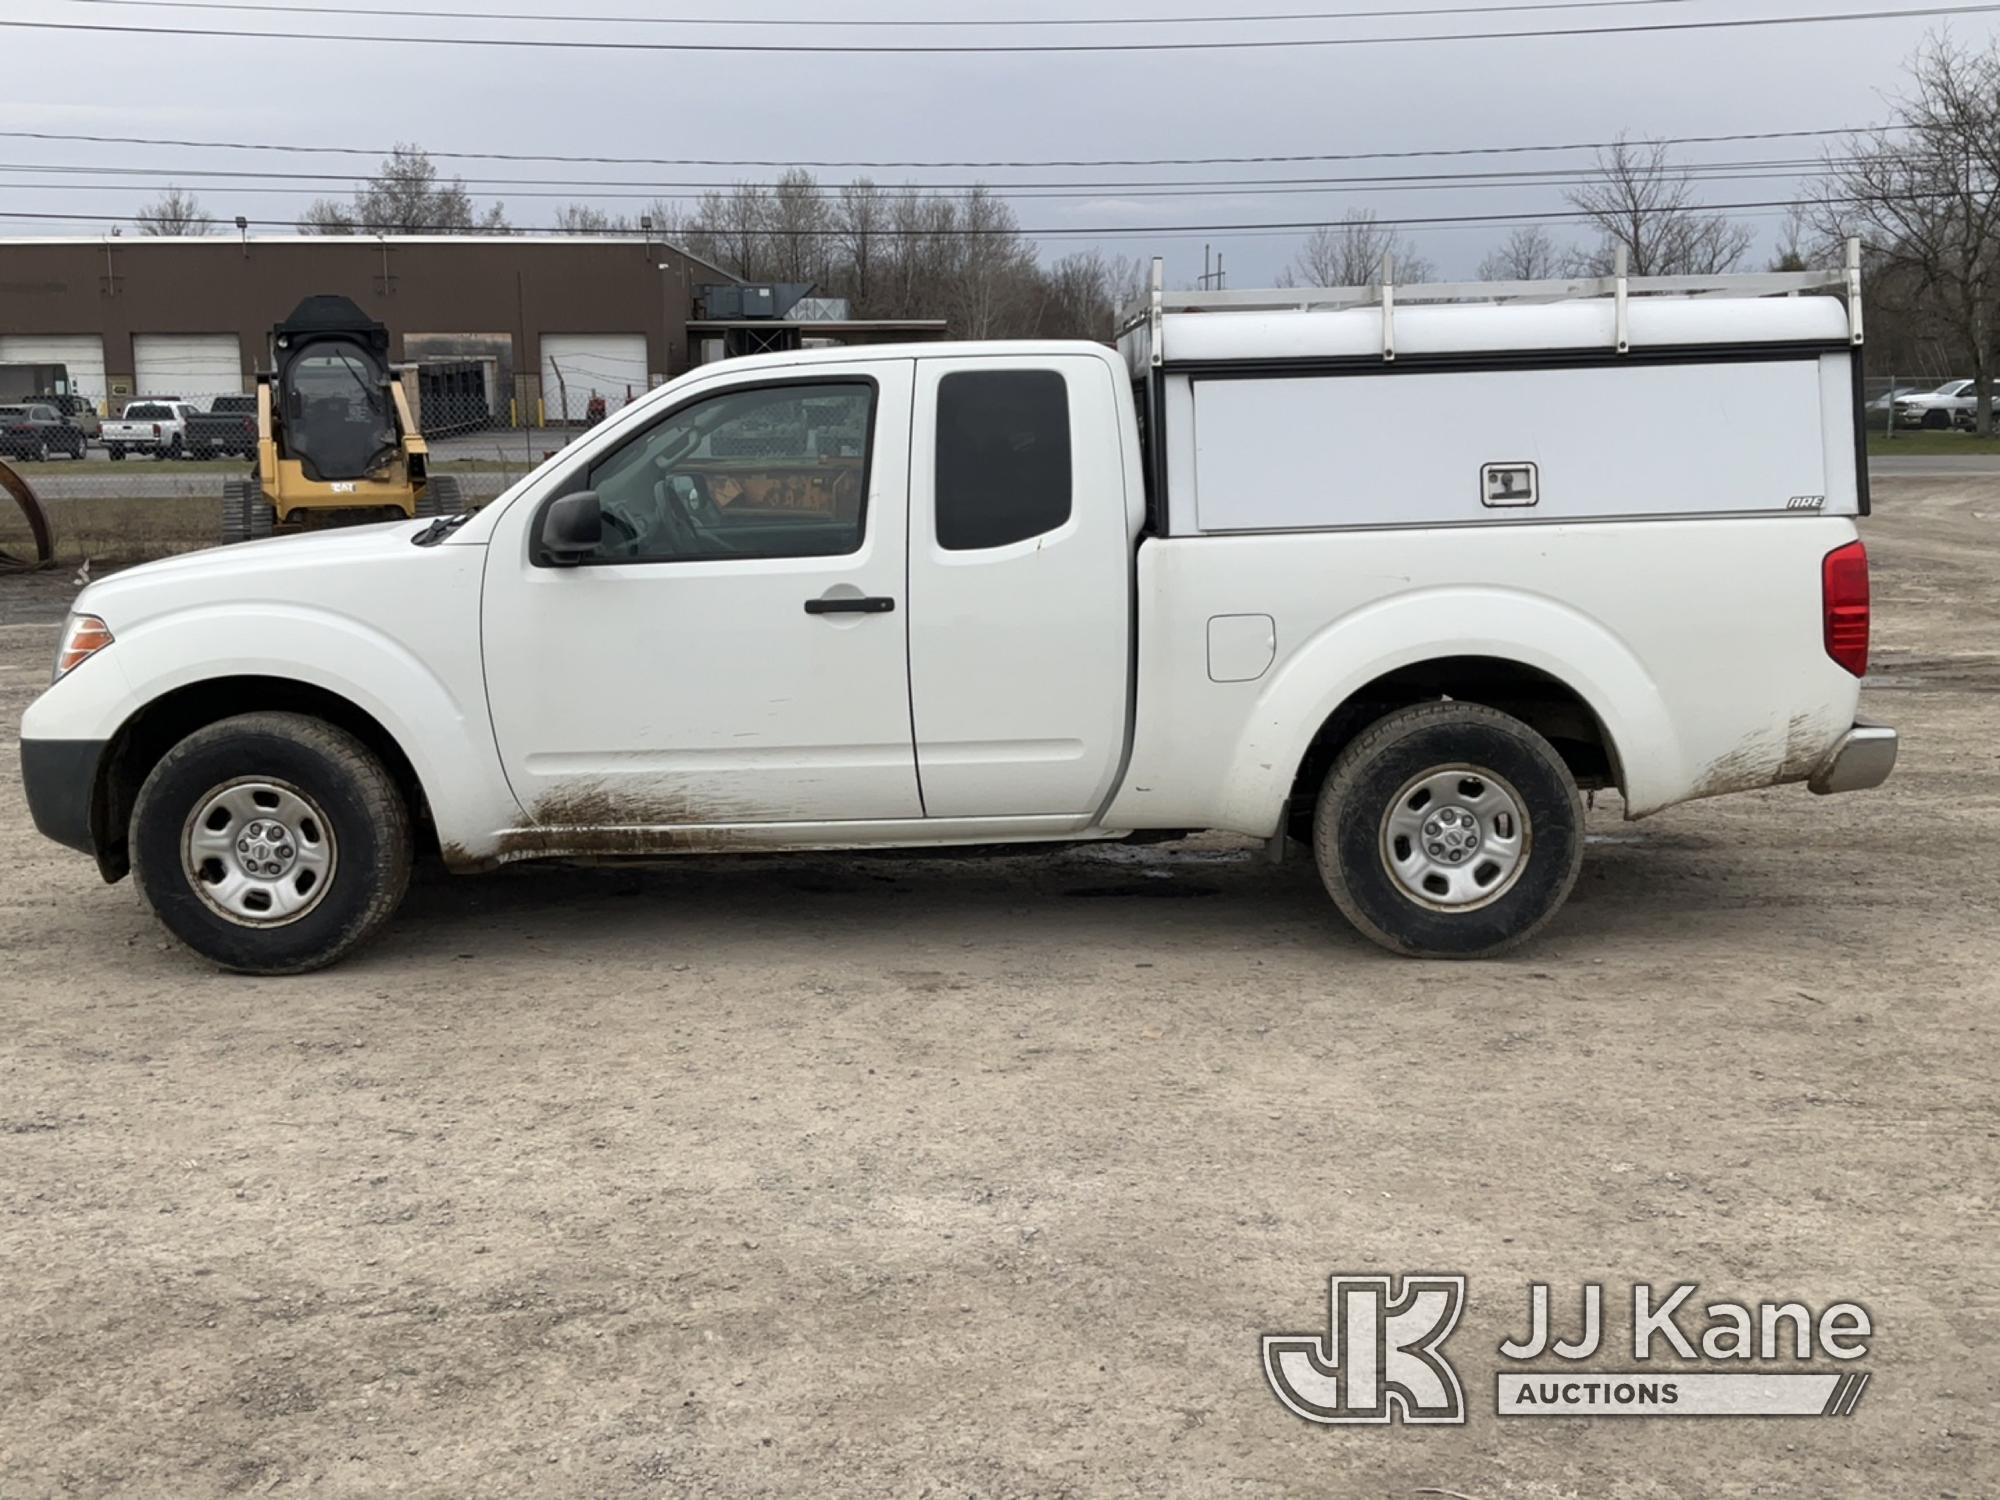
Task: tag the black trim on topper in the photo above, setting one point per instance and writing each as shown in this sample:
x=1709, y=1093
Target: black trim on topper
x=1505, y=359
x=1862, y=500
x=579, y=478
x=1156, y=444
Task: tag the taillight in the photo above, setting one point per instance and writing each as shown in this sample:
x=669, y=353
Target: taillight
x=1844, y=597
x=156, y=429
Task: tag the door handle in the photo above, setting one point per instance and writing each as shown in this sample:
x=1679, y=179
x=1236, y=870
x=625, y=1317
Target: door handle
x=872, y=605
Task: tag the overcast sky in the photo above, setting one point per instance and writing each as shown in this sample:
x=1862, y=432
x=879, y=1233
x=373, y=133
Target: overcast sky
x=1293, y=100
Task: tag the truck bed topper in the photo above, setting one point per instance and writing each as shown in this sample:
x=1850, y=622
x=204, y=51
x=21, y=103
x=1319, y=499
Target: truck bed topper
x=1615, y=315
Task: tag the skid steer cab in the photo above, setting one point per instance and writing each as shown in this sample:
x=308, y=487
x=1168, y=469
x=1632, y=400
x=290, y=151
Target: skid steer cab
x=335, y=442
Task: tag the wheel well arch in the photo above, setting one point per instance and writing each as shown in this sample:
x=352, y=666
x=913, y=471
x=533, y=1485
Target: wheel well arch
x=170, y=718
x=1544, y=702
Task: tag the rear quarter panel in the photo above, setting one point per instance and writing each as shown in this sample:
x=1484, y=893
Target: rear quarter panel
x=1697, y=643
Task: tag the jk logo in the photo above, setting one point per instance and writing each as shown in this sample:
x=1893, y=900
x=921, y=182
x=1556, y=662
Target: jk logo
x=1379, y=1357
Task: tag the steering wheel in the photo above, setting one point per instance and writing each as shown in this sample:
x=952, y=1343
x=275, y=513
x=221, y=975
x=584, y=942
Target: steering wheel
x=690, y=493
x=671, y=512
x=629, y=534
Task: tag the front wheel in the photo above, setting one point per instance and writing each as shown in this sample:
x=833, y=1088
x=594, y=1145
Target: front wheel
x=1449, y=830
x=271, y=843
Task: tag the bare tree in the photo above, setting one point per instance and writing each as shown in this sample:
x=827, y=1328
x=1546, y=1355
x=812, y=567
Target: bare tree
x=907, y=252
x=1923, y=193
x=1350, y=254
x=587, y=218
x=1083, y=294
x=406, y=196
x=858, y=217
x=1795, y=241
x=1641, y=201
x=1528, y=255
x=173, y=212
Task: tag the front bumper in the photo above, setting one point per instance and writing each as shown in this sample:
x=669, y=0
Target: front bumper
x=1863, y=758
x=60, y=778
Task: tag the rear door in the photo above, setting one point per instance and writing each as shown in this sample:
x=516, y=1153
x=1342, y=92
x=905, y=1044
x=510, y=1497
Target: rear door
x=1020, y=580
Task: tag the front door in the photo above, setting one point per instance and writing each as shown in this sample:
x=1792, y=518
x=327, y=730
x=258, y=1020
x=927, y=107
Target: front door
x=734, y=652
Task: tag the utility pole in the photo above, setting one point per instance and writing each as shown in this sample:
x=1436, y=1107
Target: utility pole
x=1212, y=278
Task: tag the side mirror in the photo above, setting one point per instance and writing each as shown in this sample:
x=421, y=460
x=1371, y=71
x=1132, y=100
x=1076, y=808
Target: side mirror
x=572, y=527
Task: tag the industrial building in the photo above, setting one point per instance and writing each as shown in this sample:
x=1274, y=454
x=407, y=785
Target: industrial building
x=495, y=330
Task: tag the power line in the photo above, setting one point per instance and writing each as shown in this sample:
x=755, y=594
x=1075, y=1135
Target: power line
x=1153, y=161
x=1005, y=195
x=1241, y=44
x=188, y=177
x=365, y=231
x=797, y=24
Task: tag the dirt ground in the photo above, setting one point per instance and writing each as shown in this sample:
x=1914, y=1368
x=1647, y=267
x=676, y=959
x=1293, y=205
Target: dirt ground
x=923, y=1178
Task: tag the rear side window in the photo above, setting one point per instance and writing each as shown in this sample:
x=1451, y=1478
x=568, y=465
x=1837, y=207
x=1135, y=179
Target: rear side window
x=1003, y=457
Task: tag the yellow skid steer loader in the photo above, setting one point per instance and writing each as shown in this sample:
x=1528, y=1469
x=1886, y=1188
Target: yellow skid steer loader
x=335, y=443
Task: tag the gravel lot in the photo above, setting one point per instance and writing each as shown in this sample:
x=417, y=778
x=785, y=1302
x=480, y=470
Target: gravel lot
x=889, y=1177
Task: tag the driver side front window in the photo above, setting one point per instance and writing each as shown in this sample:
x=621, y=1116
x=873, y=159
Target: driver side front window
x=765, y=471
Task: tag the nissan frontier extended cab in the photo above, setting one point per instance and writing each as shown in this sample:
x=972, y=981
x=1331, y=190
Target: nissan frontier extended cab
x=1227, y=577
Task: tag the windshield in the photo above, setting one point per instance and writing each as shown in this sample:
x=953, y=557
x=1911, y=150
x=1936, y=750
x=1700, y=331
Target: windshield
x=338, y=421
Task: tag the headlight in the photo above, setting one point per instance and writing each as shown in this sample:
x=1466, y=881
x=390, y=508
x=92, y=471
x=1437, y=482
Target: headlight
x=84, y=638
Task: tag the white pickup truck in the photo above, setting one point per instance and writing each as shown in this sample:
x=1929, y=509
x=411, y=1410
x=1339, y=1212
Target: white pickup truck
x=1950, y=405
x=963, y=594
x=155, y=427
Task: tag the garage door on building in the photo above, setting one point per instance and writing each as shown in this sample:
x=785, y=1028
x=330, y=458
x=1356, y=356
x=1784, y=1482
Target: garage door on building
x=578, y=366
x=82, y=353
x=193, y=366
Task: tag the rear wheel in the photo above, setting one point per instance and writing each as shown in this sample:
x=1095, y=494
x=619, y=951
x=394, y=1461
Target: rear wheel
x=1449, y=830
x=114, y=450
x=271, y=843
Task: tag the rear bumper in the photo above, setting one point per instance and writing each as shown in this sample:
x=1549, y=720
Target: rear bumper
x=60, y=779
x=1863, y=758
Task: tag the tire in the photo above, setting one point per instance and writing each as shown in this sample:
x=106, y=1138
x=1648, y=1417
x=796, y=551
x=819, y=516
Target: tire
x=114, y=452
x=441, y=496
x=1486, y=760
x=1937, y=421
x=344, y=825
x=80, y=449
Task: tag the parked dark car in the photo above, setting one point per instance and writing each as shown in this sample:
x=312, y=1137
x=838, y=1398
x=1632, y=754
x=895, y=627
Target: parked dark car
x=228, y=426
x=38, y=431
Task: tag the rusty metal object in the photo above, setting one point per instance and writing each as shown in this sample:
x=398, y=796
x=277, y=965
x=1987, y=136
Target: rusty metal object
x=38, y=525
